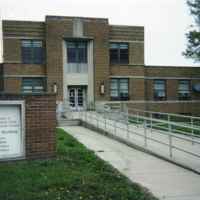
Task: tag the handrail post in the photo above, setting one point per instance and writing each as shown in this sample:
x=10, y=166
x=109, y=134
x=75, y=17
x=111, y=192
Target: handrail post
x=169, y=125
x=192, y=127
x=137, y=114
x=151, y=121
x=97, y=120
x=145, y=133
x=170, y=145
x=105, y=119
x=115, y=126
x=127, y=129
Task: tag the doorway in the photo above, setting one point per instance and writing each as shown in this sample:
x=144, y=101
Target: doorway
x=77, y=98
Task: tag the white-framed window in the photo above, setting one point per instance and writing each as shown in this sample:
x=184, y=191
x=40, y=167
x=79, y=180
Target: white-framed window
x=33, y=85
x=119, y=89
x=32, y=52
x=159, y=90
x=77, y=52
x=184, y=92
x=119, y=53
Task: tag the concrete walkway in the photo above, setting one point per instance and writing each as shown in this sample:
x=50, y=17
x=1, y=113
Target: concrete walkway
x=165, y=180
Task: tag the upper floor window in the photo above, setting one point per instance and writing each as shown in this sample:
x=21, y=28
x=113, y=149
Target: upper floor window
x=32, y=52
x=33, y=85
x=119, y=53
x=184, y=90
x=159, y=90
x=77, y=52
x=119, y=89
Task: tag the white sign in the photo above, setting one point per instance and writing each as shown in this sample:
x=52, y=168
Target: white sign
x=11, y=138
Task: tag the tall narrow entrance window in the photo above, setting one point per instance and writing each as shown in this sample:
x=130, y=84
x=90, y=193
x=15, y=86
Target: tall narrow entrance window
x=119, y=53
x=77, y=52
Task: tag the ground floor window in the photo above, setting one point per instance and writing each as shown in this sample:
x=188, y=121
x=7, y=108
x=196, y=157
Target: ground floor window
x=184, y=90
x=119, y=89
x=33, y=85
x=159, y=90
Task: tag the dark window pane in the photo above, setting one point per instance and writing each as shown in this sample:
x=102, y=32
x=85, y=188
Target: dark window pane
x=82, y=53
x=32, y=52
x=114, y=56
x=124, y=57
x=119, y=53
x=26, y=55
x=77, y=52
x=38, y=55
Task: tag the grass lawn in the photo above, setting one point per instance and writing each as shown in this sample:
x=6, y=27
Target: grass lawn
x=76, y=174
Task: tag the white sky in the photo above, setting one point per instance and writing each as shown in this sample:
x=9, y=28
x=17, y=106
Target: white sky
x=165, y=21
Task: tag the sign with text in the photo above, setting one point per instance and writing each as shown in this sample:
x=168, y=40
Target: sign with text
x=11, y=138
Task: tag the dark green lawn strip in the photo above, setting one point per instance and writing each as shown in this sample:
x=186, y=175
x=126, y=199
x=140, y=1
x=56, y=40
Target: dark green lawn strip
x=75, y=174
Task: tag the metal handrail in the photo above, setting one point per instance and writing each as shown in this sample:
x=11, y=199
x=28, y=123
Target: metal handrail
x=164, y=113
x=94, y=116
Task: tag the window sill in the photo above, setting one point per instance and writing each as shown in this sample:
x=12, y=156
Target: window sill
x=126, y=65
x=119, y=99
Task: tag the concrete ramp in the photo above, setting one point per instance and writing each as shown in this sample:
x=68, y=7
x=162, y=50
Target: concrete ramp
x=165, y=180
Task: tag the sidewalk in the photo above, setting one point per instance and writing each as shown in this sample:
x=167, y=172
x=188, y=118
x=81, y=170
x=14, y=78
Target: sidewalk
x=163, y=179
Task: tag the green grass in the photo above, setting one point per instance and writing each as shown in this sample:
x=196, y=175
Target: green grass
x=75, y=174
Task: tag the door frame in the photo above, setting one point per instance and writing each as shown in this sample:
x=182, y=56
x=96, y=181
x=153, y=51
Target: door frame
x=84, y=96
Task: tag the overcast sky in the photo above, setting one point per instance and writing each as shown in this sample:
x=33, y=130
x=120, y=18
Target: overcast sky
x=165, y=21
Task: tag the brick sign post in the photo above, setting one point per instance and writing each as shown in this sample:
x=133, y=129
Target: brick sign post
x=27, y=126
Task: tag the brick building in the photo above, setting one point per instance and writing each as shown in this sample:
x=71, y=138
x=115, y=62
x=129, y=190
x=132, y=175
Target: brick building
x=87, y=61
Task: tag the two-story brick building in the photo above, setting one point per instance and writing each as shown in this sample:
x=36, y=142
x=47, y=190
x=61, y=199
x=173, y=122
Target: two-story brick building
x=87, y=61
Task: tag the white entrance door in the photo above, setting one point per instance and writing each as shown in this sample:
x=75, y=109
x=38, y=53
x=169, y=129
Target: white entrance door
x=77, y=98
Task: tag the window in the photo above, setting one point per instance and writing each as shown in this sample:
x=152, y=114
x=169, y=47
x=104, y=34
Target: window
x=184, y=90
x=119, y=89
x=33, y=85
x=119, y=53
x=159, y=90
x=32, y=52
x=77, y=52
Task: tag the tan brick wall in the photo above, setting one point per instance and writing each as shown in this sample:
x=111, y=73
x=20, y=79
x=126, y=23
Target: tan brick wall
x=56, y=31
x=12, y=85
x=24, y=69
x=12, y=50
x=127, y=33
x=163, y=71
x=125, y=70
x=99, y=31
x=137, y=89
x=136, y=53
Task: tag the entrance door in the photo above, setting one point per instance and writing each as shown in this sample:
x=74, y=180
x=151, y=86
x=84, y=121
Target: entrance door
x=77, y=98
